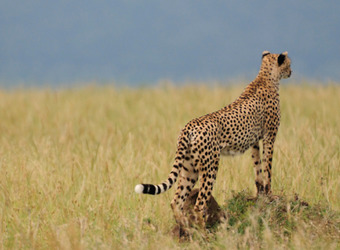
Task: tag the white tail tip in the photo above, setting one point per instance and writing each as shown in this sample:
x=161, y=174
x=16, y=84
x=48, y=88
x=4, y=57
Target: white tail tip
x=139, y=189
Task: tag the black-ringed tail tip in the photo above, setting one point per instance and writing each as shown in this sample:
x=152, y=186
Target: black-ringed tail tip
x=151, y=189
x=139, y=189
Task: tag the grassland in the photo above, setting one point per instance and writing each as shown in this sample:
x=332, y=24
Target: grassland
x=70, y=160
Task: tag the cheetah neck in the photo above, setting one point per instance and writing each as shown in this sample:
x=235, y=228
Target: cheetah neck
x=268, y=77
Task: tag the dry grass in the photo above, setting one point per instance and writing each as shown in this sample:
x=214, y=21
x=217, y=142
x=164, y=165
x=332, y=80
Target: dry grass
x=70, y=160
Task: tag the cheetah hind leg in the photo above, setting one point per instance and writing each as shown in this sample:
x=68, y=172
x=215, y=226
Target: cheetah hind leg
x=207, y=179
x=187, y=179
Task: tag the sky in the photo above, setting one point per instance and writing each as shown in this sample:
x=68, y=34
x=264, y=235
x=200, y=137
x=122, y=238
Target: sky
x=147, y=41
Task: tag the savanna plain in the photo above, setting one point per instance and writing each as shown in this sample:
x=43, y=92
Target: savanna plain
x=70, y=159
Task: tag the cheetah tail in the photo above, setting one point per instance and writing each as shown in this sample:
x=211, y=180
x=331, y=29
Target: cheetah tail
x=175, y=171
x=160, y=188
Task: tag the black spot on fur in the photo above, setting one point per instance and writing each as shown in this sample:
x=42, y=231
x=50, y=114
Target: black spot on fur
x=174, y=173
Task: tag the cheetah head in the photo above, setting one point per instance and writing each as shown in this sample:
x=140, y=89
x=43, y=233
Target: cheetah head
x=276, y=64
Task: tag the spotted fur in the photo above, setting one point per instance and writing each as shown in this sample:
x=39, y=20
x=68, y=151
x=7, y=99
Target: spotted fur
x=254, y=116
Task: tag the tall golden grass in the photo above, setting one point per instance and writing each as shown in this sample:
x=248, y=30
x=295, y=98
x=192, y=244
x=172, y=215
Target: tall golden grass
x=70, y=160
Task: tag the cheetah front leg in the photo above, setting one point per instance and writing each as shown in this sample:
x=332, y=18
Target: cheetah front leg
x=268, y=149
x=255, y=154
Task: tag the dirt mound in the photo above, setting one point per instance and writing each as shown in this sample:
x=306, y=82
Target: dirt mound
x=235, y=211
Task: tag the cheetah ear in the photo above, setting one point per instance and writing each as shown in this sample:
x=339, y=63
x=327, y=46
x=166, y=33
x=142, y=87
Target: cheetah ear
x=281, y=59
x=264, y=53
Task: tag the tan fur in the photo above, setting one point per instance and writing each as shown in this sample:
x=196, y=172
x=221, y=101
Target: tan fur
x=254, y=116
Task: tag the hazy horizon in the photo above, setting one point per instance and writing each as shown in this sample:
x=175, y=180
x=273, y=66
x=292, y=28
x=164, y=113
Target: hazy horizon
x=144, y=42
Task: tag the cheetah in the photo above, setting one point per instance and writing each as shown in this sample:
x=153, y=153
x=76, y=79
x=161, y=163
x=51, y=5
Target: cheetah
x=252, y=117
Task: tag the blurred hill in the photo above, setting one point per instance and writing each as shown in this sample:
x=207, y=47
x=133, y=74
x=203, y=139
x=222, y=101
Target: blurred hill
x=142, y=42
